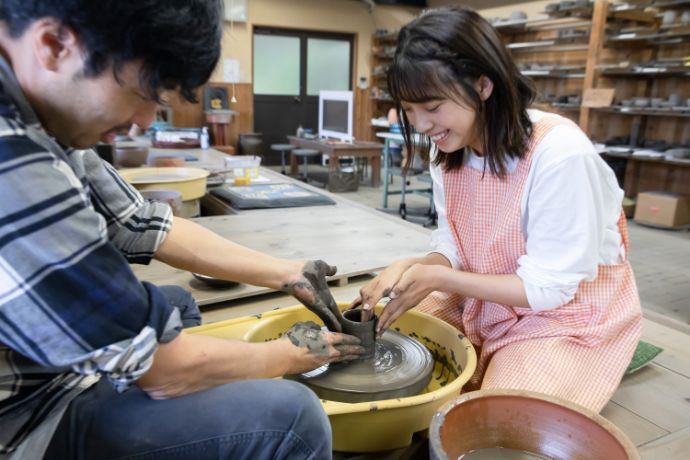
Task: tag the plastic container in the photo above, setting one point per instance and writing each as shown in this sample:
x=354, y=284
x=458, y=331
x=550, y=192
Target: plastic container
x=244, y=165
x=190, y=182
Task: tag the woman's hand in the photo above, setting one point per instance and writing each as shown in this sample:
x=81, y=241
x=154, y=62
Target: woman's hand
x=309, y=286
x=380, y=287
x=314, y=347
x=417, y=282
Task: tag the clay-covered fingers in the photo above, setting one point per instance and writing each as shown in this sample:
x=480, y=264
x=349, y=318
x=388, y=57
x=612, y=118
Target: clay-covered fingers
x=347, y=347
x=312, y=290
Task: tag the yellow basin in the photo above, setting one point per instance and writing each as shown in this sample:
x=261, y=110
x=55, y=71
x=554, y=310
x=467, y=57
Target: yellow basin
x=190, y=182
x=380, y=425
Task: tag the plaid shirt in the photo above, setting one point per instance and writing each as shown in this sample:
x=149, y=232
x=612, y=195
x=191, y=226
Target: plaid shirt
x=70, y=306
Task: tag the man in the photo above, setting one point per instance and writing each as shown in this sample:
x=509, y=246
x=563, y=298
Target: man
x=77, y=328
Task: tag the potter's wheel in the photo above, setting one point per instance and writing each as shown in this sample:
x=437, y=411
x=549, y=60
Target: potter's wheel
x=400, y=366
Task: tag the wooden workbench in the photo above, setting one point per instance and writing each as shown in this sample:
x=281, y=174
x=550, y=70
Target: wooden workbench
x=336, y=149
x=355, y=238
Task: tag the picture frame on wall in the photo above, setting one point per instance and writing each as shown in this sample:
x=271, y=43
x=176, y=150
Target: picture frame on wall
x=236, y=10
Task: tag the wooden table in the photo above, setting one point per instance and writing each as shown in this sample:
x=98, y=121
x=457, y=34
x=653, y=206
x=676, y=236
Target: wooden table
x=335, y=149
x=357, y=239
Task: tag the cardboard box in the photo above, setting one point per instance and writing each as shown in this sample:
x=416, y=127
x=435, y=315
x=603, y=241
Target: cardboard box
x=663, y=209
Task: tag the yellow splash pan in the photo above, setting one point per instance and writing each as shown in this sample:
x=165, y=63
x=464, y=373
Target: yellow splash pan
x=379, y=425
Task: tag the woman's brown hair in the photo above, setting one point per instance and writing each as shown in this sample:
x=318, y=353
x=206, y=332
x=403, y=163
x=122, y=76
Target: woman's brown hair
x=441, y=55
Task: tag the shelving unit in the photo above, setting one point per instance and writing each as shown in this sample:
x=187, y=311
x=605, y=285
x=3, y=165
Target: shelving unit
x=602, y=45
x=645, y=62
x=553, y=52
x=383, y=48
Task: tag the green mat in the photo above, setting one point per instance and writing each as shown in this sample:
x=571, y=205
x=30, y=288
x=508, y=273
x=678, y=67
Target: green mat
x=644, y=353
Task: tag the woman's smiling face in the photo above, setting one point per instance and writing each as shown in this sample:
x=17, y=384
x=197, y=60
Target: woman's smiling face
x=449, y=124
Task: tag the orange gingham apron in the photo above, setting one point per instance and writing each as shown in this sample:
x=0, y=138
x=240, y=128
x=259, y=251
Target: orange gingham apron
x=578, y=351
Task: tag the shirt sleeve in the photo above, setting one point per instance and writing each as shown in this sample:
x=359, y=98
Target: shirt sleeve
x=68, y=298
x=570, y=223
x=135, y=226
x=442, y=240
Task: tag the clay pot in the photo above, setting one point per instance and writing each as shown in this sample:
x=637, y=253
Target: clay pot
x=524, y=421
x=364, y=331
x=130, y=157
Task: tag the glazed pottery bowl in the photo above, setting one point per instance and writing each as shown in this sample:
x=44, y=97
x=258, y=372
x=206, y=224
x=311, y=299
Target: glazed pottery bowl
x=530, y=423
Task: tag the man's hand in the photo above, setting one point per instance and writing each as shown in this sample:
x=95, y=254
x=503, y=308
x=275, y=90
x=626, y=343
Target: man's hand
x=310, y=288
x=316, y=347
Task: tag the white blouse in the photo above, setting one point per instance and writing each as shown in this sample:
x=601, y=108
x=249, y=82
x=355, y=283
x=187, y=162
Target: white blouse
x=569, y=214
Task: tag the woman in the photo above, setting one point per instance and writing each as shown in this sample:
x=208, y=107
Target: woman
x=530, y=257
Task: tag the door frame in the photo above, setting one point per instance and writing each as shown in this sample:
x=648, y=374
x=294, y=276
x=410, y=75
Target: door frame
x=303, y=35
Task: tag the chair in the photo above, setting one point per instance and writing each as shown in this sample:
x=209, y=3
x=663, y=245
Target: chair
x=305, y=153
x=426, y=216
x=283, y=149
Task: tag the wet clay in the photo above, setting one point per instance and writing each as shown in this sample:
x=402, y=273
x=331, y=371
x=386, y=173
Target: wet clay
x=400, y=366
x=307, y=334
x=312, y=290
x=364, y=331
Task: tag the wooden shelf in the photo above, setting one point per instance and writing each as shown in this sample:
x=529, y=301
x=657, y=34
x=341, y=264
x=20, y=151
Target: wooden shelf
x=389, y=37
x=645, y=112
x=650, y=39
x=552, y=74
x=661, y=5
x=647, y=72
x=575, y=11
x=657, y=51
x=534, y=25
x=549, y=45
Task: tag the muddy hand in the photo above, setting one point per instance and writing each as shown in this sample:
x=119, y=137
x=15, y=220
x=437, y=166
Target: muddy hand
x=322, y=346
x=312, y=290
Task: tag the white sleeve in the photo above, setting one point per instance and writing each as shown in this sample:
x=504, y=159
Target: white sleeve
x=570, y=218
x=442, y=240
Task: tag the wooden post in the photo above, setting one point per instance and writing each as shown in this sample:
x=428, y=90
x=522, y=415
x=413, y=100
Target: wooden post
x=596, y=43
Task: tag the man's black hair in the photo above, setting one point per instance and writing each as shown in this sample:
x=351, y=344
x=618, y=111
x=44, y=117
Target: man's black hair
x=177, y=41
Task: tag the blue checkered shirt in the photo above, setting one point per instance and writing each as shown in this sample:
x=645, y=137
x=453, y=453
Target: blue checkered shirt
x=70, y=306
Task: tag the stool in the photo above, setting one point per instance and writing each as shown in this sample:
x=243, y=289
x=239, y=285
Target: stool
x=305, y=153
x=283, y=149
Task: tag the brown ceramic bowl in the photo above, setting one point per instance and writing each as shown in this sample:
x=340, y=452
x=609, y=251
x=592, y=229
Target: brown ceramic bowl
x=130, y=157
x=524, y=421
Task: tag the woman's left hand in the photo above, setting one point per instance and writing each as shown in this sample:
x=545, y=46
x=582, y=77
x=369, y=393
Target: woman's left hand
x=416, y=283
